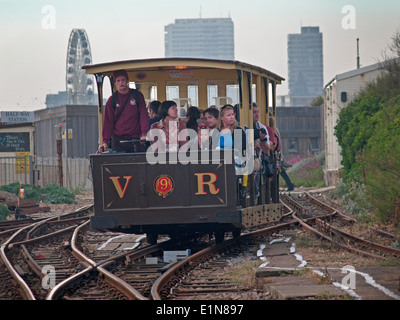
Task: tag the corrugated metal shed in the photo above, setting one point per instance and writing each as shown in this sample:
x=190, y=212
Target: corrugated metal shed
x=79, y=129
x=301, y=131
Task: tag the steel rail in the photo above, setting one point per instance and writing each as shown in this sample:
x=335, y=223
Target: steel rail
x=172, y=276
x=367, y=243
x=325, y=225
x=76, y=251
x=130, y=292
x=137, y=253
x=23, y=287
x=45, y=236
x=329, y=208
x=57, y=291
x=305, y=225
x=114, y=281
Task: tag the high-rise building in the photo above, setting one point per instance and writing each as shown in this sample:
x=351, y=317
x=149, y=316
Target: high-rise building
x=305, y=66
x=211, y=38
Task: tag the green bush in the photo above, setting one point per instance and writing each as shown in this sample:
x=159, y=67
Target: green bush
x=11, y=188
x=30, y=191
x=56, y=194
x=368, y=132
x=354, y=198
x=4, y=212
x=53, y=193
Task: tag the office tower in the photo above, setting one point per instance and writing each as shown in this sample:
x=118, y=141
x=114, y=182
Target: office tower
x=305, y=66
x=210, y=38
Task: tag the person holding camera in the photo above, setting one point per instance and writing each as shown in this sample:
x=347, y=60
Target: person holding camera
x=261, y=146
x=261, y=136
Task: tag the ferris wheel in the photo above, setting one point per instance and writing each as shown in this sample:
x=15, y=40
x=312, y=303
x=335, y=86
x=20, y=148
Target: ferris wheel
x=80, y=87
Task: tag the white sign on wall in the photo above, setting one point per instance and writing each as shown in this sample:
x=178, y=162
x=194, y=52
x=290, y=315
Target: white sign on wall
x=17, y=116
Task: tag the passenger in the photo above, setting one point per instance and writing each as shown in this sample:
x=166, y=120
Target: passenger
x=192, y=117
x=261, y=136
x=228, y=127
x=202, y=115
x=236, y=109
x=279, y=155
x=203, y=136
x=182, y=112
x=261, y=147
x=153, y=107
x=170, y=125
x=192, y=123
x=271, y=132
x=125, y=117
x=212, y=118
x=213, y=122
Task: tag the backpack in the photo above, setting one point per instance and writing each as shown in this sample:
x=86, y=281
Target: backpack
x=136, y=95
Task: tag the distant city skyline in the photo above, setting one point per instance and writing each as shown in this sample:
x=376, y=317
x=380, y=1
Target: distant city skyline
x=211, y=38
x=305, y=65
x=34, y=36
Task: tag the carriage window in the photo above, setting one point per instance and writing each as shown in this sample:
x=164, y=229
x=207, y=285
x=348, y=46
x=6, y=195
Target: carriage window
x=184, y=93
x=270, y=94
x=149, y=89
x=172, y=92
x=233, y=93
x=193, y=94
x=107, y=91
x=212, y=94
x=221, y=92
x=182, y=104
x=153, y=93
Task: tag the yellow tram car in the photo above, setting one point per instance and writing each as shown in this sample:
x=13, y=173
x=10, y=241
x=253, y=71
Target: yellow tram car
x=203, y=197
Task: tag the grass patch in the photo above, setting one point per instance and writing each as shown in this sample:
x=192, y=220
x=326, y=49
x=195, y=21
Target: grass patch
x=242, y=273
x=306, y=172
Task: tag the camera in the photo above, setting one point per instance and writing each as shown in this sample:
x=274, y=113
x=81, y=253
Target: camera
x=257, y=133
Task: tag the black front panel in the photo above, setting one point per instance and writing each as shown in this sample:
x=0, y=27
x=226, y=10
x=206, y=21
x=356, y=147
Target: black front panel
x=124, y=186
x=129, y=189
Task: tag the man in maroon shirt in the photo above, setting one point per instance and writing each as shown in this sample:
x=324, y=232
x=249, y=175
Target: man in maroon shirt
x=127, y=119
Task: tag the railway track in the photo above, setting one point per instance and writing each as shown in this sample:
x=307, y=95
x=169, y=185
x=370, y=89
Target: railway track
x=205, y=264
x=330, y=230
x=205, y=272
x=65, y=247
x=38, y=255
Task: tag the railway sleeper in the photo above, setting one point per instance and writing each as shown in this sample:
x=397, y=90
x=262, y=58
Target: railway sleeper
x=208, y=285
x=183, y=291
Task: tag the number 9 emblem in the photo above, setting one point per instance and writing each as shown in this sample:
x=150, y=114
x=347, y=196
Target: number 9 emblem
x=164, y=185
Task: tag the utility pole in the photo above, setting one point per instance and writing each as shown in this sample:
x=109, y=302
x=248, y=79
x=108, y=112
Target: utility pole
x=59, y=152
x=358, y=55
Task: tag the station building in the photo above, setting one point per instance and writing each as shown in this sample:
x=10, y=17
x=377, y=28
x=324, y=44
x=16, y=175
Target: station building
x=339, y=92
x=29, y=152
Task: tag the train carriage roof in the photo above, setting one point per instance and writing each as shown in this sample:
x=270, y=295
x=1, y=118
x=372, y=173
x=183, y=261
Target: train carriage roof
x=177, y=63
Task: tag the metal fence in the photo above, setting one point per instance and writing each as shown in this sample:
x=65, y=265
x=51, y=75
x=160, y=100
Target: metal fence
x=42, y=171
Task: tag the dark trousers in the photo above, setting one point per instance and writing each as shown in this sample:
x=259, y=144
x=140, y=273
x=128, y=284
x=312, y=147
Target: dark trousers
x=287, y=179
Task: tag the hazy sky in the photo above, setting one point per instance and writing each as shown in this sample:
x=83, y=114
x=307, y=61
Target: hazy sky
x=33, y=41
